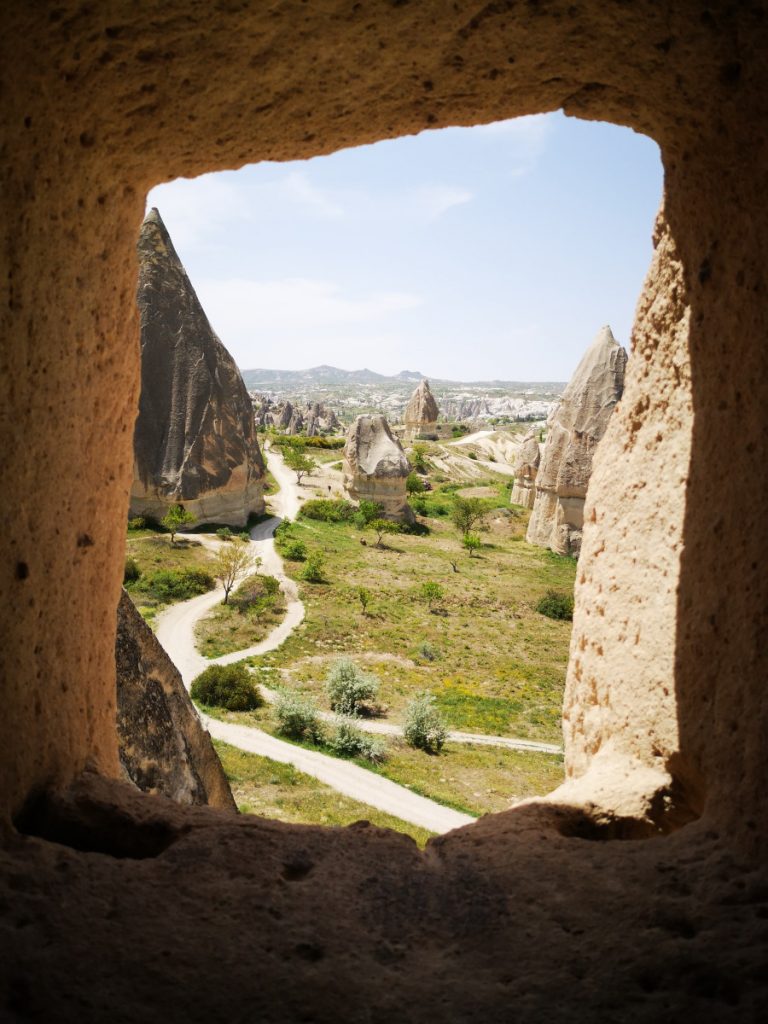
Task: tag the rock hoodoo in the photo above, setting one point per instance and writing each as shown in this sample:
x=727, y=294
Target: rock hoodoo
x=163, y=747
x=313, y=419
x=421, y=413
x=574, y=430
x=376, y=467
x=526, y=468
x=195, y=441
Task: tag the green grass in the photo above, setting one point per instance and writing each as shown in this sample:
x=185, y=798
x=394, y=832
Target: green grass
x=230, y=628
x=153, y=551
x=500, y=664
x=278, y=791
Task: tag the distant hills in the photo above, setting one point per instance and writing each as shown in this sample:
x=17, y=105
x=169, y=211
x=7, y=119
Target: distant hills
x=333, y=377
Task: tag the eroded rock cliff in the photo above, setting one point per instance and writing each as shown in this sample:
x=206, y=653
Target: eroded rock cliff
x=195, y=440
x=421, y=413
x=573, y=432
x=376, y=467
x=163, y=747
x=526, y=470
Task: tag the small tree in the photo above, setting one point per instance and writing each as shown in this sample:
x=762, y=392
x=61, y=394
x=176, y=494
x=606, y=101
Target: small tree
x=419, y=458
x=314, y=568
x=382, y=526
x=432, y=593
x=367, y=511
x=348, y=687
x=300, y=463
x=424, y=726
x=232, y=563
x=471, y=543
x=176, y=517
x=414, y=484
x=468, y=513
x=364, y=597
x=227, y=686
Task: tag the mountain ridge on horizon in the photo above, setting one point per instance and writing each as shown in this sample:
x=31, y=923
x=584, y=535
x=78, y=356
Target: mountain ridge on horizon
x=336, y=375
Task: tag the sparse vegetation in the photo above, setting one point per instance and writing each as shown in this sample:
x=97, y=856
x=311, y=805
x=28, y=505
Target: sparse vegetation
x=175, y=518
x=231, y=563
x=169, y=585
x=328, y=510
x=381, y=527
x=131, y=572
x=314, y=569
x=297, y=717
x=432, y=593
x=295, y=551
x=348, y=740
x=226, y=686
x=471, y=543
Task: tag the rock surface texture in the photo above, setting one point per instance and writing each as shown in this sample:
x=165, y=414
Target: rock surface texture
x=526, y=469
x=118, y=906
x=376, y=467
x=574, y=431
x=195, y=440
x=163, y=747
x=421, y=413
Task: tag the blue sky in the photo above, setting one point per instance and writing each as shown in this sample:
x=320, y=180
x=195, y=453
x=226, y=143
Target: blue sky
x=465, y=253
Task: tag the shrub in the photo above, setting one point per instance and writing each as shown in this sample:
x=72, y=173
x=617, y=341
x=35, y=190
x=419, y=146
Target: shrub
x=431, y=592
x=227, y=686
x=244, y=536
x=175, y=584
x=297, y=717
x=137, y=523
x=314, y=568
x=328, y=510
x=255, y=594
x=414, y=484
x=428, y=651
x=295, y=550
x=348, y=687
x=224, y=533
x=556, y=605
x=424, y=727
x=473, y=455
x=366, y=512
x=471, y=543
x=349, y=741
x=131, y=572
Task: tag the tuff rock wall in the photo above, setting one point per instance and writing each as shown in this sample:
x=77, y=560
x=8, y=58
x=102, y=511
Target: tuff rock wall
x=665, y=707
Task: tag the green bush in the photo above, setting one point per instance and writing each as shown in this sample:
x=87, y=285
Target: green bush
x=227, y=686
x=428, y=651
x=175, y=584
x=328, y=510
x=348, y=740
x=224, y=533
x=314, y=568
x=348, y=687
x=556, y=605
x=424, y=727
x=295, y=551
x=297, y=717
x=137, y=523
x=473, y=455
x=255, y=594
x=131, y=572
x=414, y=484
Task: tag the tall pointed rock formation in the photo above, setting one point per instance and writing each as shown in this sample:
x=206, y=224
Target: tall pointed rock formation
x=421, y=413
x=195, y=439
x=376, y=467
x=574, y=430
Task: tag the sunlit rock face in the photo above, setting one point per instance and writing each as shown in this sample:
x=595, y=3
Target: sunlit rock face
x=526, y=469
x=195, y=439
x=376, y=467
x=164, y=749
x=573, y=432
x=421, y=413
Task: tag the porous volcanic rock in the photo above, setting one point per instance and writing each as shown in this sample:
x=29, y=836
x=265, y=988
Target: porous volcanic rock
x=195, y=440
x=163, y=747
x=421, y=413
x=314, y=418
x=376, y=467
x=526, y=468
x=573, y=432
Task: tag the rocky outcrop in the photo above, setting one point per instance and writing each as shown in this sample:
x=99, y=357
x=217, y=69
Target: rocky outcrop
x=421, y=413
x=376, y=467
x=195, y=441
x=313, y=419
x=526, y=468
x=163, y=747
x=573, y=432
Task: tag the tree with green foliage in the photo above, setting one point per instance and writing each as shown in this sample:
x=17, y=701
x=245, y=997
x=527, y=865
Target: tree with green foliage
x=424, y=727
x=432, y=593
x=176, y=517
x=382, y=526
x=468, y=513
x=314, y=568
x=227, y=686
x=471, y=542
x=348, y=687
x=414, y=484
x=367, y=511
x=419, y=458
x=364, y=597
x=232, y=563
x=298, y=461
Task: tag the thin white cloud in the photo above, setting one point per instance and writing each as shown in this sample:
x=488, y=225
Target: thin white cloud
x=435, y=200
x=240, y=306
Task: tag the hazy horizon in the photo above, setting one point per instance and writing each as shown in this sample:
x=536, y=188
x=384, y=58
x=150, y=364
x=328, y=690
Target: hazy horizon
x=494, y=252
x=404, y=369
